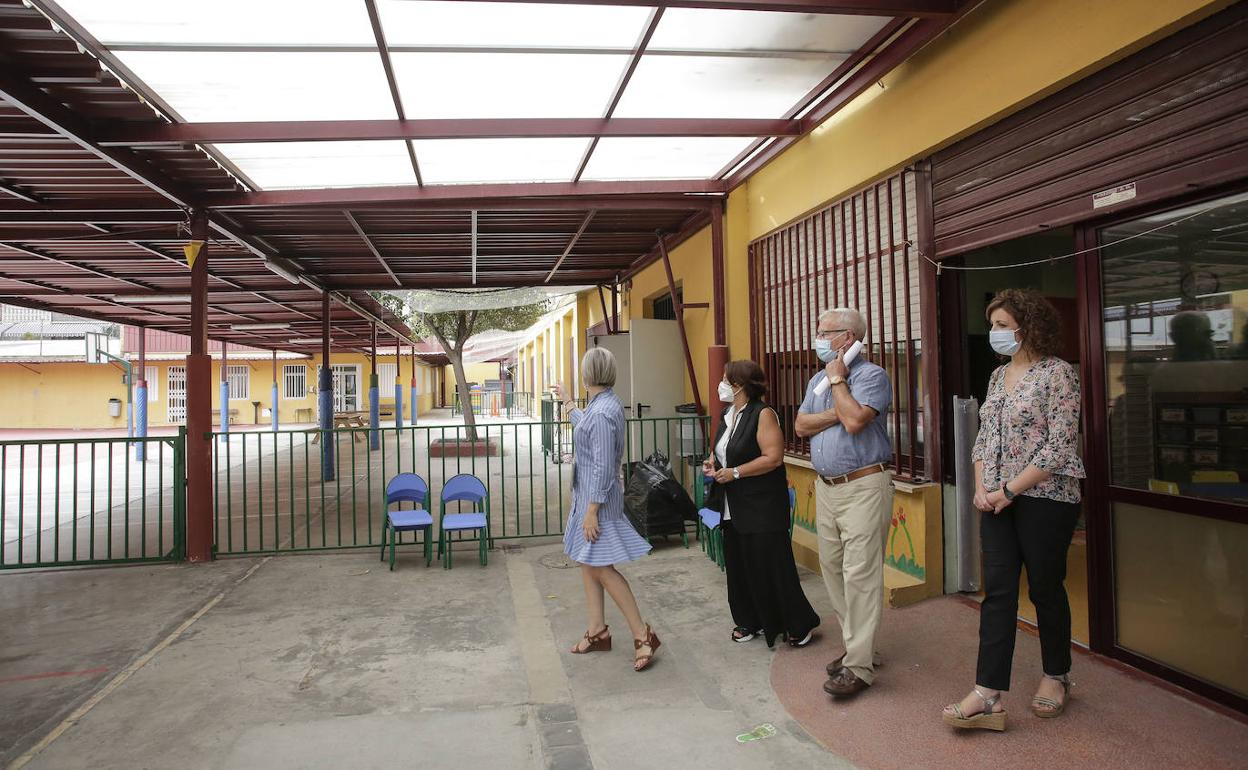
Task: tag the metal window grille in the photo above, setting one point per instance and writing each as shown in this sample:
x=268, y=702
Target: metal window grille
x=239, y=378
x=294, y=381
x=177, y=394
x=386, y=375
x=856, y=252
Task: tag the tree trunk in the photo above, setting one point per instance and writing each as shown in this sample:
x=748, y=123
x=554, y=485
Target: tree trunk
x=465, y=396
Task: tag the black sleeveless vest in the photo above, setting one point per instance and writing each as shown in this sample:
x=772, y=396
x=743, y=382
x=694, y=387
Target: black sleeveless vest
x=757, y=503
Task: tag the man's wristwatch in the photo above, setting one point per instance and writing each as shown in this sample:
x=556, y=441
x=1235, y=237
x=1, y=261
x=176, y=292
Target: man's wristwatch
x=736, y=473
x=1005, y=490
x=835, y=380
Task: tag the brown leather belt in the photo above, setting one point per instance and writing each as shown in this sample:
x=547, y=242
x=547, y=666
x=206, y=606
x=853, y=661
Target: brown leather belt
x=853, y=475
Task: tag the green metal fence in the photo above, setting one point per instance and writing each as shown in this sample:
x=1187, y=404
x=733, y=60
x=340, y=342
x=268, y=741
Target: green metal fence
x=268, y=495
x=74, y=501
x=507, y=404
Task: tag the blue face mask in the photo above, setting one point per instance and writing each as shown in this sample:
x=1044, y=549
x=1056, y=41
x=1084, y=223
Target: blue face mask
x=1004, y=341
x=825, y=351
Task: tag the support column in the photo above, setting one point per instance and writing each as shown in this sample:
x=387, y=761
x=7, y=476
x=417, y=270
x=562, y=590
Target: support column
x=398, y=384
x=273, y=394
x=140, y=408
x=199, y=401
x=716, y=360
x=374, y=397
x=718, y=306
x=414, y=407
x=325, y=396
x=225, y=390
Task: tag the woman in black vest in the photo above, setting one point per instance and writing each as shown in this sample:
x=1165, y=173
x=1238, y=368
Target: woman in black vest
x=751, y=491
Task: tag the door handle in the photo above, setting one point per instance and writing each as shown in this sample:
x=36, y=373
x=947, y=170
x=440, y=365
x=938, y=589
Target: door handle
x=641, y=406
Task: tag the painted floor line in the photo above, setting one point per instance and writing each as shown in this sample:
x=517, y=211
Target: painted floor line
x=125, y=674
x=54, y=674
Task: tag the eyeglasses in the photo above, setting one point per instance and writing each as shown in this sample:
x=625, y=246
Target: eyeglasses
x=829, y=333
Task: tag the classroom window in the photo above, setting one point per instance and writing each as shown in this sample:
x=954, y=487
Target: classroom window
x=295, y=381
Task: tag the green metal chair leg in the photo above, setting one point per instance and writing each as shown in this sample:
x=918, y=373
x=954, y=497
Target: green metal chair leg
x=428, y=539
x=393, y=535
x=382, y=556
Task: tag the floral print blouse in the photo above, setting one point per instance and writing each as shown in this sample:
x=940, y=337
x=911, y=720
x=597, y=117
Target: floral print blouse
x=1035, y=424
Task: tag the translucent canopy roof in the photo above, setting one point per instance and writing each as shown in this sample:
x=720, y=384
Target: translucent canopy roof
x=243, y=61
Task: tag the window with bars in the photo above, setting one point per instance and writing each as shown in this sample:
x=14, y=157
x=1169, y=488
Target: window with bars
x=153, y=387
x=386, y=375
x=239, y=378
x=294, y=381
x=857, y=252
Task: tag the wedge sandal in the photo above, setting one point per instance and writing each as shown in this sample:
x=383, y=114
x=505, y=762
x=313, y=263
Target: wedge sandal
x=1047, y=708
x=984, y=720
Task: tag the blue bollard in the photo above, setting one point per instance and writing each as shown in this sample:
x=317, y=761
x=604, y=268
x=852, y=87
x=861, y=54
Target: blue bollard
x=398, y=406
x=273, y=401
x=140, y=410
x=225, y=408
x=374, y=413
x=413, y=404
x=325, y=399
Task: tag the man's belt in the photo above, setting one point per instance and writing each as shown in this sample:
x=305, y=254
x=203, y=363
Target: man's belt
x=854, y=475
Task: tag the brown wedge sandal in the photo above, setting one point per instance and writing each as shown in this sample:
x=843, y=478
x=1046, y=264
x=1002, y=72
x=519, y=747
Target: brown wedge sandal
x=1047, y=708
x=599, y=642
x=984, y=720
x=642, y=662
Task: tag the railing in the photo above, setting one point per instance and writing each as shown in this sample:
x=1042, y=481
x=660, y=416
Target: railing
x=269, y=496
x=66, y=502
x=496, y=403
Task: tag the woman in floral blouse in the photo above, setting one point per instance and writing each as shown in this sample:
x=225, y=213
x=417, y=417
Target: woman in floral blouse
x=1027, y=472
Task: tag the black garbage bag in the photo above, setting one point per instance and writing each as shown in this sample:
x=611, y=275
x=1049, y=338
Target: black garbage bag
x=655, y=503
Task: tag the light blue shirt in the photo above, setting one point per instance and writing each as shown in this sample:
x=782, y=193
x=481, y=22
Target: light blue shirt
x=835, y=451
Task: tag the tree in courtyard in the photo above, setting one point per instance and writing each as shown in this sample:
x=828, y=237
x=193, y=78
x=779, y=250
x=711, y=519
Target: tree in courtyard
x=454, y=328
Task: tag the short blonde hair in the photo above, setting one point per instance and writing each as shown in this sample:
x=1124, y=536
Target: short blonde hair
x=598, y=368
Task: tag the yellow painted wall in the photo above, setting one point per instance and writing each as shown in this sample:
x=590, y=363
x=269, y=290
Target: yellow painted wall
x=75, y=395
x=68, y=395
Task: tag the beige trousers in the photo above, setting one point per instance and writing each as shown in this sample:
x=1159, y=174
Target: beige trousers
x=852, y=520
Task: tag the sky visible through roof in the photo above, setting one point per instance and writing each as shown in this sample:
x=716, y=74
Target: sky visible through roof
x=291, y=60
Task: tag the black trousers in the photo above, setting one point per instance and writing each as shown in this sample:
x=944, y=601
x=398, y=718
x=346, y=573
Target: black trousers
x=1033, y=532
x=764, y=591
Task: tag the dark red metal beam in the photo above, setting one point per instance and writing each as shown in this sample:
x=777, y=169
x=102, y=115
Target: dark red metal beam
x=571, y=244
x=680, y=319
x=687, y=230
x=461, y=193
x=9, y=189
x=383, y=50
x=372, y=247
x=124, y=134
x=935, y=8
x=638, y=51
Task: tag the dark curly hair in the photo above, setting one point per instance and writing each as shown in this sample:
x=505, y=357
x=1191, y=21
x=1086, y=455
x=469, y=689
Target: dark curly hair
x=748, y=375
x=1039, y=325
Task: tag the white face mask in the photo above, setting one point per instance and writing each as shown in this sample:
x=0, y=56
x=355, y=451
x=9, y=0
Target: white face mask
x=726, y=392
x=1004, y=341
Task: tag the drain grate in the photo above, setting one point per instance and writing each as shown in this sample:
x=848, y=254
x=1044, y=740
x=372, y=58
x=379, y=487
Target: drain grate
x=512, y=549
x=556, y=561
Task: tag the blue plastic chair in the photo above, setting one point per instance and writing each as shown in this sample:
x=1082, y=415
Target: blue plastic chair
x=464, y=488
x=714, y=540
x=407, y=488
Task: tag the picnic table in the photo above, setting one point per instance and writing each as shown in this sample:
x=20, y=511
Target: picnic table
x=350, y=420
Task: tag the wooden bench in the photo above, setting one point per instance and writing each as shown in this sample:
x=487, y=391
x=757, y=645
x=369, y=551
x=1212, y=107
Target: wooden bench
x=345, y=420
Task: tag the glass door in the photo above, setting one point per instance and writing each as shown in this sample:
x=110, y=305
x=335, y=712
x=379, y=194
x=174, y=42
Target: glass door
x=346, y=388
x=1175, y=336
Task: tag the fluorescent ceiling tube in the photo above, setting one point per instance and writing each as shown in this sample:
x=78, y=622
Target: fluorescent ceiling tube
x=151, y=299
x=305, y=341
x=281, y=269
x=258, y=327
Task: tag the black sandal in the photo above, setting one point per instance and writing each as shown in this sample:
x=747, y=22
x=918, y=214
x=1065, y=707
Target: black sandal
x=805, y=640
x=743, y=634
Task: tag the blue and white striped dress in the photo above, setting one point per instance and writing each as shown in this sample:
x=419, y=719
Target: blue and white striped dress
x=598, y=437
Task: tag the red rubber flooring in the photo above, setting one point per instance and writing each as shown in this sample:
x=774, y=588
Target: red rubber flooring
x=1117, y=719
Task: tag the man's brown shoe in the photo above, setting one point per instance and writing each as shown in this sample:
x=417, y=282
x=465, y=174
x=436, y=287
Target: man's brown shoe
x=835, y=665
x=844, y=683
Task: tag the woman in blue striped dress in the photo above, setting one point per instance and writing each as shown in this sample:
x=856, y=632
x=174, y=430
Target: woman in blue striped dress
x=597, y=535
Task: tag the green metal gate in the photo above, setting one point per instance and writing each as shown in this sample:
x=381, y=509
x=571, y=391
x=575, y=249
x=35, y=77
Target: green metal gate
x=80, y=501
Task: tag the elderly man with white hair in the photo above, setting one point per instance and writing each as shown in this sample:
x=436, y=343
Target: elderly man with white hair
x=844, y=416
